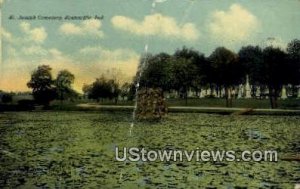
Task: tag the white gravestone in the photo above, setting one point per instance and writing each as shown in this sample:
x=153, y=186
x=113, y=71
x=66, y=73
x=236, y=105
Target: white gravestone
x=247, y=88
x=283, y=93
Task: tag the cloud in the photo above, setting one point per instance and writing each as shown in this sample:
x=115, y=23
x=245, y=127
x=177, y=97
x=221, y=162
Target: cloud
x=17, y=69
x=102, y=53
x=236, y=24
x=37, y=35
x=157, y=25
x=87, y=27
x=99, y=60
x=34, y=50
x=5, y=34
x=276, y=42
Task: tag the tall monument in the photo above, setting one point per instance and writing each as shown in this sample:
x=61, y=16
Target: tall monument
x=247, y=88
x=283, y=93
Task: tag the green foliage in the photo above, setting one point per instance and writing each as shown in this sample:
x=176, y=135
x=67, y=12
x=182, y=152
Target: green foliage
x=293, y=50
x=151, y=104
x=6, y=98
x=275, y=72
x=189, y=69
x=42, y=85
x=225, y=67
x=77, y=150
x=86, y=89
x=251, y=59
x=275, y=67
x=183, y=74
x=185, y=69
x=125, y=90
x=156, y=71
x=63, y=83
x=102, y=88
x=114, y=89
x=227, y=71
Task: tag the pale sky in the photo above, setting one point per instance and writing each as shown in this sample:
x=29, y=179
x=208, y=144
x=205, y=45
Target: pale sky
x=91, y=47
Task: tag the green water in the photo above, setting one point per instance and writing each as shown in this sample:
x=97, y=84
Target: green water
x=77, y=150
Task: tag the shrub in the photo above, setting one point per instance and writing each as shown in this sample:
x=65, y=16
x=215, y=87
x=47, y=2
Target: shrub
x=26, y=104
x=6, y=98
x=151, y=104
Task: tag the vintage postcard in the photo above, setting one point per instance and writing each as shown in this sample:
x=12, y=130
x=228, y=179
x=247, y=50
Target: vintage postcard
x=149, y=94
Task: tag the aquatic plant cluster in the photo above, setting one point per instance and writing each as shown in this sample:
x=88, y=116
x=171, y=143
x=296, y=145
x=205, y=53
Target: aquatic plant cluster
x=77, y=150
x=151, y=104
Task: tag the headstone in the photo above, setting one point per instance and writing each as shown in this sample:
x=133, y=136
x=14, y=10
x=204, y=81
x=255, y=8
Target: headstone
x=190, y=93
x=267, y=93
x=214, y=93
x=202, y=93
x=247, y=88
x=167, y=95
x=222, y=92
x=218, y=94
x=208, y=92
x=257, y=93
x=283, y=93
x=175, y=94
x=240, y=91
x=233, y=93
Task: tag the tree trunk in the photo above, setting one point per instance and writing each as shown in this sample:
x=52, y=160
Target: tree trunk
x=230, y=97
x=186, y=97
x=226, y=96
x=197, y=92
x=294, y=91
x=46, y=105
x=272, y=97
x=271, y=100
x=275, y=98
x=61, y=99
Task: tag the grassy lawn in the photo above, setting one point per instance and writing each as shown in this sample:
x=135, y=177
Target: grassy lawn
x=77, y=149
x=203, y=102
x=239, y=103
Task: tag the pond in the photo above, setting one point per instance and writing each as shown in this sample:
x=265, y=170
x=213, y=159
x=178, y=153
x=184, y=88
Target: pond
x=77, y=149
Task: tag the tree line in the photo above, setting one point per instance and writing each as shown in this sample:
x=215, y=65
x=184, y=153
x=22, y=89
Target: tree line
x=45, y=88
x=102, y=88
x=186, y=69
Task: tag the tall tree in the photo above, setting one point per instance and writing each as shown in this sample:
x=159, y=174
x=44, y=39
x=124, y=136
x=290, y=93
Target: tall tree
x=200, y=64
x=42, y=86
x=156, y=73
x=103, y=88
x=251, y=58
x=125, y=90
x=99, y=89
x=63, y=83
x=227, y=72
x=114, y=90
x=275, y=72
x=293, y=50
x=183, y=75
x=86, y=89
